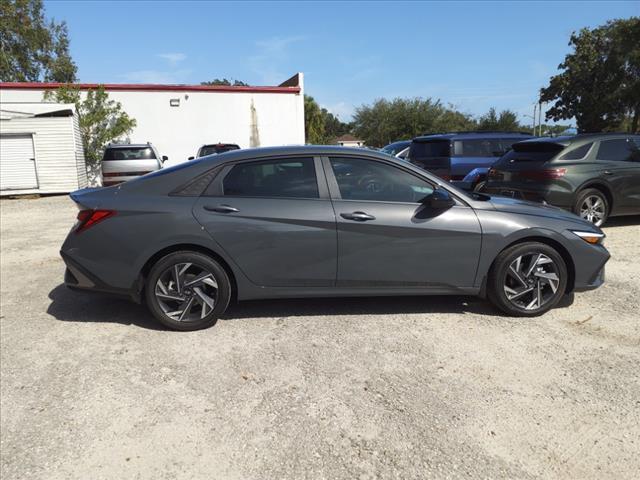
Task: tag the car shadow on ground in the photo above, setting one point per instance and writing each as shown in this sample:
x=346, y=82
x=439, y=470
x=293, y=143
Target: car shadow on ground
x=72, y=306
x=302, y=307
x=625, y=221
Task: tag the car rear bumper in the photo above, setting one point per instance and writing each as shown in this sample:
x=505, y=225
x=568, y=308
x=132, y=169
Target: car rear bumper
x=108, y=181
x=77, y=277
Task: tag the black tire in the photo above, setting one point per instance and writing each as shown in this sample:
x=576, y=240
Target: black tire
x=479, y=187
x=498, y=279
x=585, y=196
x=199, y=263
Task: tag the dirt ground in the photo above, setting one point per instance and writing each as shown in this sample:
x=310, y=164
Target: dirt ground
x=440, y=387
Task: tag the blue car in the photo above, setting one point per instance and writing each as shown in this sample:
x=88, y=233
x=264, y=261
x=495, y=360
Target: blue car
x=464, y=157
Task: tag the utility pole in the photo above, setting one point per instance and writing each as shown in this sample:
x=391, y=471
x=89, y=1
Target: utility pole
x=540, y=117
x=534, y=118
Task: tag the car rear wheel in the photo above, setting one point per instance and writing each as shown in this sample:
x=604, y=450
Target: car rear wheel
x=592, y=205
x=527, y=279
x=479, y=187
x=187, y=291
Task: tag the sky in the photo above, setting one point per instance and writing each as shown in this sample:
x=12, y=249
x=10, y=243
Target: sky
x=474, y=55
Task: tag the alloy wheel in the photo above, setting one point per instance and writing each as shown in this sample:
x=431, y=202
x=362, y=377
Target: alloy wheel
x=186, y=292
x=531, y=281
x=593, y=209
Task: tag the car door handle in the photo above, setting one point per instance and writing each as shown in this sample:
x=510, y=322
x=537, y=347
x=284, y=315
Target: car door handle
x=358, y=216
x=608, y=172
x=221, y=209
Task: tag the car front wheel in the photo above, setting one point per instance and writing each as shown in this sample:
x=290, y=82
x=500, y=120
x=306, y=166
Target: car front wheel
x=527, y=279
x=187, y=291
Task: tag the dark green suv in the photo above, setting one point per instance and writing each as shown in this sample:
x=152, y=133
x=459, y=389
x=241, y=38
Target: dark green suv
x=593, y=175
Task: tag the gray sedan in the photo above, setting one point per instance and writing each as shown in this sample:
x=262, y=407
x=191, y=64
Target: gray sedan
x=320, y=222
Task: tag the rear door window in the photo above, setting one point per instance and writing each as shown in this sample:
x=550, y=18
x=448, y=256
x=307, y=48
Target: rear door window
x=577, y=153
x=617, y=150
x=135, y=153
x=478, y=148
x=288, y=178
x=429, y=149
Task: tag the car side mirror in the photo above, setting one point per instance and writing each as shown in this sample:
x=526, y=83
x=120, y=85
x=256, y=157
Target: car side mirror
x=164, y=158
x=191, y=158
x=439, y=200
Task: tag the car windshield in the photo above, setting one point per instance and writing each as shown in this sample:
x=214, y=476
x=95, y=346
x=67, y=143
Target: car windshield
x=430, y=148
x=221, y=148
x=132, y=153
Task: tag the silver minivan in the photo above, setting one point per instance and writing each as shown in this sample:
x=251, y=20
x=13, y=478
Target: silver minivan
x=122, y=162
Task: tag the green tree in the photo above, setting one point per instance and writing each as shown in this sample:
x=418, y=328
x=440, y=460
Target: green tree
x=101, y=121
x=314, y=122
x=386, y=121
x=599, y=84
x=225, y=82
x=506, y=121
x=32, y=49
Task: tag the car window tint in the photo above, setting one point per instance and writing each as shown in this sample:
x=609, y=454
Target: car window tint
x=478, y=148
x=291, y=178
x=143, y=153
x=577, y=153
x=429, y=149
x=361, y=179
x=211, y=149
x=616, y=150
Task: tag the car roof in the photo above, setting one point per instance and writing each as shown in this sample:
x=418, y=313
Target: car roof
x=398, y=142
x=566, y=140
x=129, y=145
x=471, y=135
x=219, y=145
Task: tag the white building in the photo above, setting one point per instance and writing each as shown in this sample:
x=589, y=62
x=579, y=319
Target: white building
x=40, y=149
x=178, y=119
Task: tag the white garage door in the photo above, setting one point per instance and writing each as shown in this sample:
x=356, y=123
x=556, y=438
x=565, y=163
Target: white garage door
x=17, y=163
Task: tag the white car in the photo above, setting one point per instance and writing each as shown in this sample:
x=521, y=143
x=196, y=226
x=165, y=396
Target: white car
x=122, y=162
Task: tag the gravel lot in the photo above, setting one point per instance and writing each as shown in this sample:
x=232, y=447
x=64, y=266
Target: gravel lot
x=440, y=387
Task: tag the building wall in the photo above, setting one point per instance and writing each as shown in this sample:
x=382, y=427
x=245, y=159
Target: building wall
x=81, y=165
x=249, y=119
x=55, y=152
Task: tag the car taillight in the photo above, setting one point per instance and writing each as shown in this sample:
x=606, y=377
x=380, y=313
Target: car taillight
x=88, y=218
x=547, y=174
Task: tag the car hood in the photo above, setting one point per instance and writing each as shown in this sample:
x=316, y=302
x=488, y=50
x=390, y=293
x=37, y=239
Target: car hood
x=512, y=205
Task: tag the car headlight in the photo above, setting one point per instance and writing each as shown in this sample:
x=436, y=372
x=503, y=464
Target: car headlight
x=590, y=237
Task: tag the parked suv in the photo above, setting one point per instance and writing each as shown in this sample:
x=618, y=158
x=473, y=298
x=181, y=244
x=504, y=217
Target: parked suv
x=122, y=162
x=594, y=175
x=215, y=148
x=453, y=156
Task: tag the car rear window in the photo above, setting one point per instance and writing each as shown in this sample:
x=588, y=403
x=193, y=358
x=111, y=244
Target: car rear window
x=532, y=151
x=134, y=153
x=211, y=149
x=429, y=148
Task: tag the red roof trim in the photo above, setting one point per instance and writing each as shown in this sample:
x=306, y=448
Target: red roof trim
x=149, y=87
